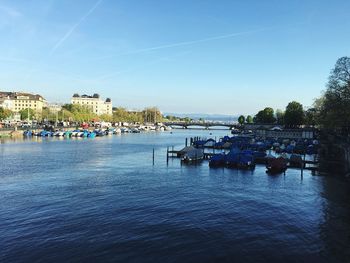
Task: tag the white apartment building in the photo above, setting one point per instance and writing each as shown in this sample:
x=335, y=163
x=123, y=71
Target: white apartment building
x=17, y=101
x=94, y=102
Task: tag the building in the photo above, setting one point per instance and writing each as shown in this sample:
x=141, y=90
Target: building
x=54, y=107
x=17, y=101
x=94, y=102
x=294, y=134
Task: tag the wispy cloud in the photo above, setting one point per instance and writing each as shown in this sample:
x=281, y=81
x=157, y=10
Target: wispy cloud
x=63, y=39
x=187, y=43
x=74, y=27
x=9, y=11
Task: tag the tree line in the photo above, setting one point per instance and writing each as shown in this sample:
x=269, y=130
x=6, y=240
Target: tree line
x=331, y=111
x=293, y=116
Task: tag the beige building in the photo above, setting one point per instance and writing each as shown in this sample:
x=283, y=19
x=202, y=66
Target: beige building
x=17, y=101
x=54, y=107
x=94, y=102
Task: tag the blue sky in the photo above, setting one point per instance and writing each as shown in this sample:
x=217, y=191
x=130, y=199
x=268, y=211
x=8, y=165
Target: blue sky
x=198, y=56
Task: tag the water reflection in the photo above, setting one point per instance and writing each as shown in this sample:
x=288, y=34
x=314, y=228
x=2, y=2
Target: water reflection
x=335, y=230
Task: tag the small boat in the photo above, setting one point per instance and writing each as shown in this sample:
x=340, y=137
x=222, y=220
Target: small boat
x=232, y=158
x=58, y=133
x=91, y=135
x=210, y=143
x=117, y=131
x=27, y=133
x=192, y=156
x=74, y=133
x=124, y=130
x=99, y=133
x=290, y=148
x=67, y=134
x=109, y=132
x=276, y=165
x=217, y=160
x=246, y=161
x=45, y=134
x=84, y=134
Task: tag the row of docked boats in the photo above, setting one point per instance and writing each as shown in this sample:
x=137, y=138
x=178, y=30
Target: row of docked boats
x=66, y=134
x=247, y=159
x=243, y=159
x=97, y=132
x=301, y=146
x=234, y=159
x=72, y=133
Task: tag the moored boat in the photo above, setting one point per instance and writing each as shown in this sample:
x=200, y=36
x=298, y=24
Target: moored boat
x=192, y=156
x=217, y=160
x=276, y=165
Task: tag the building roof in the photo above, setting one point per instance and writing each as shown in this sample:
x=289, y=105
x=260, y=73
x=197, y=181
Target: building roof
x=94, y=96
x=15, y=95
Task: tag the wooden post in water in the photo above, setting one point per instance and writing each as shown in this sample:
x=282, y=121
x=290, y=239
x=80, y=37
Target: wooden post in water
x=167, y=155
x=186, y=142
x=302, y=166
x=153, y=157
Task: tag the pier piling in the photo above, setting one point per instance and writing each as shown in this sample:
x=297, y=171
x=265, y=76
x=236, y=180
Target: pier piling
x=167, y=155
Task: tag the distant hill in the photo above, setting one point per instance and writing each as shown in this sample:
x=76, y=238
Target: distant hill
x=205, y=116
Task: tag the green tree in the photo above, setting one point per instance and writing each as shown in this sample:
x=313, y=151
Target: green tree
x=80, y=113
x=265, y=116
x=279, y=117
x=106, y=117
x=5, y=113
x=249, y=119
x=241, y=119
x=122, y=115
x=47, y=115
x=294, y=114
x=152, y=114
x=310, y=117
x=65, y=115
x=24, y=114
x=335, y=109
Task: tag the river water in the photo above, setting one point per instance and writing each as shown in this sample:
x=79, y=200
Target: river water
x=102, y=200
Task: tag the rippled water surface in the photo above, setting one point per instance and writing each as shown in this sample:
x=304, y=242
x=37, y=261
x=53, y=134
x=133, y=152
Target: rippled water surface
x=83, y=200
